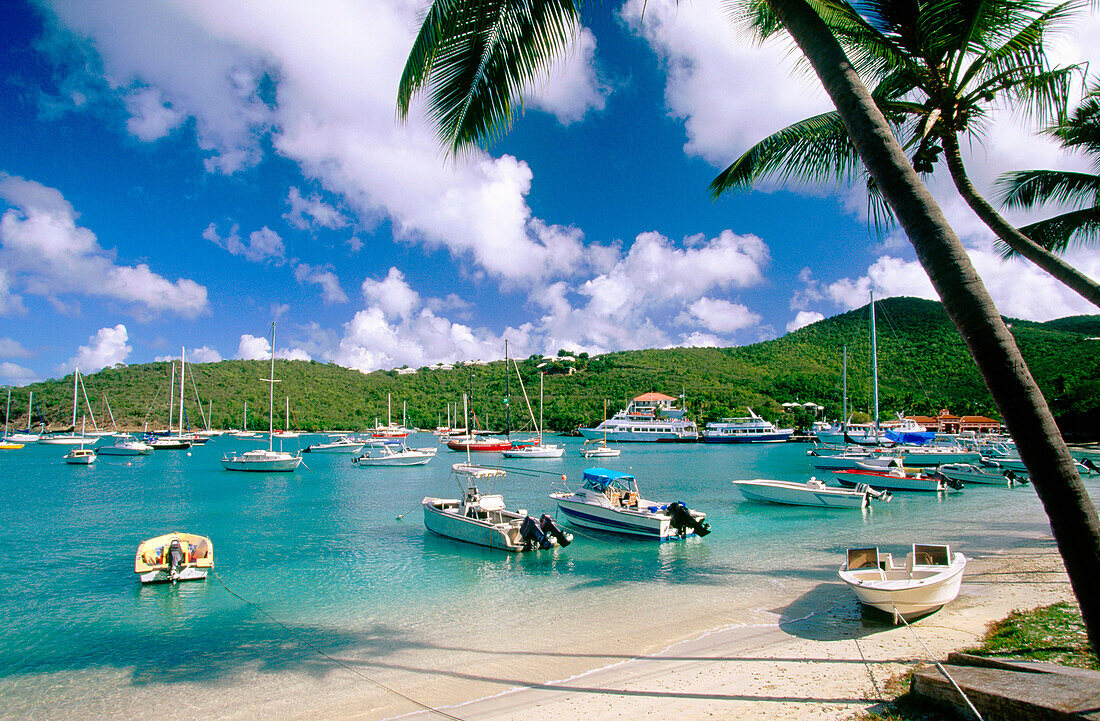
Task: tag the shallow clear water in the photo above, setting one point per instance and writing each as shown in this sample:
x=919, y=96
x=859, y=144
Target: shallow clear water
x=322, y=551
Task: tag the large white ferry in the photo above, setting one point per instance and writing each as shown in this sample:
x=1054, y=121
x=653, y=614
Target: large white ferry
x=753, y=429
x=651, y=417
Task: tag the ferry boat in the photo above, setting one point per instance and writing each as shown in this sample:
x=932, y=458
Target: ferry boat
x=753, y=429
x=651, y=417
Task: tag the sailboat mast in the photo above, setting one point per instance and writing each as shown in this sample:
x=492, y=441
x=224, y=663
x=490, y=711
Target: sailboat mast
x=76, y=380
x=507, y=394
x=288, y=414
x=30, y=410
x=7, y=413
x=183, y=374
x=271, y=393
x=874, y=357
x=542, y=377
x=844, y=416
x=171, y=397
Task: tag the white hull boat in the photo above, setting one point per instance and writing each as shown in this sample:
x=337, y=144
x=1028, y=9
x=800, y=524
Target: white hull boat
x=598, y=448
x=811, y=493
x=894, y=480
x=538, y=450
x=126, y=447
x=340, y=446
x=970, y=473
x=930, y=578
x=174, y=557
x=80, y=457
x=393, y=453
x=482, y=518
x=262, y=461
x=609, y=501
x=65, y=440
x=821, y=459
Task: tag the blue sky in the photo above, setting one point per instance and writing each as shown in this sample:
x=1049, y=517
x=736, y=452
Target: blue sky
x=181, y=174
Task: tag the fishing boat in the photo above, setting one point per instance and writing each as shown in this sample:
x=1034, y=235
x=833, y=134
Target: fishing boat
x=482, y=518
x=753, y=429
x=650, y=417
x=810, y=493
x=598, y=448
x=392, y=452
x=609, y=501
x=929, y=578
x=894, y=479
x=265, y=460
x=340, y=445
x=126, y=446
x=538, y=449
x=174, y=557
x=971, y=473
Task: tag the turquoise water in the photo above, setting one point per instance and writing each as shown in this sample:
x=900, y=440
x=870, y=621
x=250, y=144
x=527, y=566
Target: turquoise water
x=322, y=551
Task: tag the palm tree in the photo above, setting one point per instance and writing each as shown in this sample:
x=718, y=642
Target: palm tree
x=1031, y=188
x=941, y=65
x=462, y=51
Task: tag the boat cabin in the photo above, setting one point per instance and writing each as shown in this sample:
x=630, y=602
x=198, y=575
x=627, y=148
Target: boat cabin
x=620, y=489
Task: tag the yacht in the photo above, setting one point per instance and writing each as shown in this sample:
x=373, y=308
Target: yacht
x=651, y=417
x=753, y=429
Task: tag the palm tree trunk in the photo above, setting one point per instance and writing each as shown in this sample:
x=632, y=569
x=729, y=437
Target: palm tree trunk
x=1072, y=516
x=1062, y=271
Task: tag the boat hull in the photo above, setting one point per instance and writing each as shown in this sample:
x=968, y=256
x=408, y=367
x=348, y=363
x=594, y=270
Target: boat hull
x=887, y=482
x=66, y=440
x=610, y=520
x=262, y=462
x=535, y=452
x=760, y=438
x=151, y=560
x=641, y=436
x=968, y=473
x=909, y=598
x=396, y=460
x=441, y=517
x=334, y=448
x=801, y=494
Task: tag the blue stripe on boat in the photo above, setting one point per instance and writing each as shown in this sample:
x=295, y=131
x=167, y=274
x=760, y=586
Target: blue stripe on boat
x=619, y=525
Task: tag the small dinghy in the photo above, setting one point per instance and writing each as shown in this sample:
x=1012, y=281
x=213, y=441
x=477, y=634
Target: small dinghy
x=929, y=579
x=811, y=493
x=174, y=557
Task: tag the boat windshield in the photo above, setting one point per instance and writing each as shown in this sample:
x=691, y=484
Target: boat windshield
x=602, y=479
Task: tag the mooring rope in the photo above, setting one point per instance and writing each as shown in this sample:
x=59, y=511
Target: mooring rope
x=301, y=639
x=939, y=665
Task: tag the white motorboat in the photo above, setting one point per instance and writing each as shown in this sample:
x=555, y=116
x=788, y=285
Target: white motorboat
x=811, y=493
x=971, y=473
x=261, y=460
x=753, y=429
x=174, y=557
x=80, y=456
x=894, y=479
x=929, y=579
x=831, y=459
x=393, y=452
x=598, y=448
x=126, y=446
x=340, y=445
x=609, y=501
x=1012, y=463
x=482, y=518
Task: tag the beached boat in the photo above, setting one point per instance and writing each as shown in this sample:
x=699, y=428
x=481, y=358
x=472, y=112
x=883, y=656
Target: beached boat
x=265, y=460
x=894, y=479
x=971, y=473
x=393, y=452
x=609, y=501
x=753, y=429
x=811, y=493
x=598, y=448
x=930, y=578
x=483, y=519
x=340, y=445
x=650, y=417
x=174, y=557
x=126, y=446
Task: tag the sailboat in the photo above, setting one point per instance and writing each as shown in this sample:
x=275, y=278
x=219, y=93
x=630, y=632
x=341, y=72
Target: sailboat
x=80, y=456
x=244, y=432
x=597, y=447
x=5, y=444
x=537, y=449
x=268, y=460
x=391, y=429
x=287, y=433
x=67, y=439
x=178, y=441
x=28, y=436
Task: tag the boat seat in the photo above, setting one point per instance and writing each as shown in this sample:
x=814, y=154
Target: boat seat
x=491, y=503
x=931, y=555
x=863, y=558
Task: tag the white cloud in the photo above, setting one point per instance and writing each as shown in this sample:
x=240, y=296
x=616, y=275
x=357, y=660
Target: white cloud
x=391, y=294
x=262, y=245
x=106, y=348
x=572, y=87
x=11, y=348
x=697, y=339
x=45, y=253
x=16, y=375
x=253, y=348
x=151, y=118
x=803, y=319
x=331, y=292
x=722, y=316
x=312, y=212
x=205, y=354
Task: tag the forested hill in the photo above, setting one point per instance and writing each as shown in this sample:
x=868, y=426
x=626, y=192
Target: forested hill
x=923, y=367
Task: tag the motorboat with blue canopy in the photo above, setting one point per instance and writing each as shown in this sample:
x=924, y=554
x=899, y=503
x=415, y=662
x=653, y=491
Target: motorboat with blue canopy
x=610, y=501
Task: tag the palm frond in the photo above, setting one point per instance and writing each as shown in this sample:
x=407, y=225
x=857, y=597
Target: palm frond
x=476, y=57
x=1057, y=234
x=1031, y=188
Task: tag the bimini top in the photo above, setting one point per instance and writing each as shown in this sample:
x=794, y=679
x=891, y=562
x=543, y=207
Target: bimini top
x=600, y=479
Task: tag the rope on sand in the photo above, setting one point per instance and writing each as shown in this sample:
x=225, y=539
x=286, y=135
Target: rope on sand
x=977, y=715
x=301, y=639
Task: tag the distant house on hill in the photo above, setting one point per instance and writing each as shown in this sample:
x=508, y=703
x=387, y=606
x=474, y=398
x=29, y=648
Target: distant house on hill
x=947, y=422
x=405, y=371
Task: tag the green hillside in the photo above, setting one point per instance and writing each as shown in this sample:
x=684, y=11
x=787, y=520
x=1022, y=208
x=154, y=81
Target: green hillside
x=923, y=367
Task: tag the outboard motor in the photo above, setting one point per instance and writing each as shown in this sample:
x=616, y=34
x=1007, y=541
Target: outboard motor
x=1088, y=463
x=532, y=535
x=953, y=483
x=175, y=559
x=1013, y=478
x=549, y=525
x=681, y=519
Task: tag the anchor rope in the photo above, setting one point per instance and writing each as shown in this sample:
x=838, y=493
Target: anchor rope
x=305, y=641
x=977, y=715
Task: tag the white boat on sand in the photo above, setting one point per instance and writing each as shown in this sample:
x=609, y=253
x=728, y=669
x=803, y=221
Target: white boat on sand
x=610, y=501
x=811, y=493
x=929, y=578
x=174, y=557
x=482, y=518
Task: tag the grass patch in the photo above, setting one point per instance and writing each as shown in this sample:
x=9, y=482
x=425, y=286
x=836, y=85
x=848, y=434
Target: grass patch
x=1050, y=633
